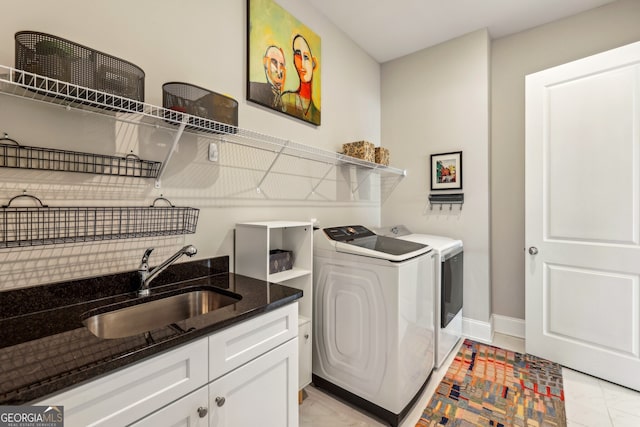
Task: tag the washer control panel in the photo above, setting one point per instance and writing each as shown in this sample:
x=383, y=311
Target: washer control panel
x=348, y=232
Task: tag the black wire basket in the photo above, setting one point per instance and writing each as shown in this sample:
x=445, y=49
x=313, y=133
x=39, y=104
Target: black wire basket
x=219, y=111
x=45, y=225
x=14, y=155
x=54, y=57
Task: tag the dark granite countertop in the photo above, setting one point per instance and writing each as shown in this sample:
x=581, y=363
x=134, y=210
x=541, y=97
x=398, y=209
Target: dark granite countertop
x=45, y=348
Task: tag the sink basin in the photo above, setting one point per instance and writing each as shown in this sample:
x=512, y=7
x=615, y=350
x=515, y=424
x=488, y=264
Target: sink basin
x=146, y=316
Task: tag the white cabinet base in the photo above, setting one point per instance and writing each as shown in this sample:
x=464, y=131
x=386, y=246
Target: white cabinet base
x=253, y=365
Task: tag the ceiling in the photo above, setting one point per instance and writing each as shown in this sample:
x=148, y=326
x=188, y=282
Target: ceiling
x=389, y=29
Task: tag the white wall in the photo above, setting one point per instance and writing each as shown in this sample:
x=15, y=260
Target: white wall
x=437, y=101
x=512, y=58
x=202, y=42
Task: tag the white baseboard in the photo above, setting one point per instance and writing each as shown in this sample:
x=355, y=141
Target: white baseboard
x=508, y=325
x=483, y=331
x=477, y=330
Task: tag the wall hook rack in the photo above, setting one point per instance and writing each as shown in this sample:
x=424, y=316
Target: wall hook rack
x=446, y=199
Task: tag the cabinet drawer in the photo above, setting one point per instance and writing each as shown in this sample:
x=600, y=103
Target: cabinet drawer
x=238, y=344
x=131, y=393
x=192, y=410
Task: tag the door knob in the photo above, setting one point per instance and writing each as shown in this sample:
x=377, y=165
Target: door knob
x=202, y=412
x=533, y=250
x=220, y=401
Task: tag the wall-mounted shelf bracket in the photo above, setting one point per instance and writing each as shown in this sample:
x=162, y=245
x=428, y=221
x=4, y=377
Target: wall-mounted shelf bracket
x=315, y=187
x=367, y=173
x=273, y=162
x=176, y=138
x=446, y=199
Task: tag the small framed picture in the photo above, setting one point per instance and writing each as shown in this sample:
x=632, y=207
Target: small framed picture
x=446, y=171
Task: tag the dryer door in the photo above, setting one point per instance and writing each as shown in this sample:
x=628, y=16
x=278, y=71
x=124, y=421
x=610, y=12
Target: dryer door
x=451, y=291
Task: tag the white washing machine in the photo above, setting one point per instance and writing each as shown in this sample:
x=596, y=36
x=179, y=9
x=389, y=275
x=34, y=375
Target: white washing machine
x=373, y=319
x=448, y=255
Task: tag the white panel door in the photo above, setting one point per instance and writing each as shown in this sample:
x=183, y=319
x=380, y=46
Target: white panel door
x=583, y=215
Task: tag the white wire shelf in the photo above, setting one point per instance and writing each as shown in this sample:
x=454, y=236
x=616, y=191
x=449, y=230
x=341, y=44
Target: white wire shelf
x=43, y=89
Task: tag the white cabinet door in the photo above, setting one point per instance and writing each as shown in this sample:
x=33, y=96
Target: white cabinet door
x=304, y=354
x=583, y=215
x=261, y=393
x=190, y=411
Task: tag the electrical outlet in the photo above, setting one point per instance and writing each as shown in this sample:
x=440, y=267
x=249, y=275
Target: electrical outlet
x=213, y=152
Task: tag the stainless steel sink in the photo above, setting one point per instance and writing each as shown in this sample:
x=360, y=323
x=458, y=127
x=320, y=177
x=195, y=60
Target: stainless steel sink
x=146, y=316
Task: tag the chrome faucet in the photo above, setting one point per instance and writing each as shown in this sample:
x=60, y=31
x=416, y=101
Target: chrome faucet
x=146, y=277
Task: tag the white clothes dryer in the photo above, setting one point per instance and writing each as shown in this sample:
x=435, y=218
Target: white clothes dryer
x=373, y=319
x=448, y=254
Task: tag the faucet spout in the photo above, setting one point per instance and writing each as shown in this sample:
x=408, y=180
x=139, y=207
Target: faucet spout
x=147, y=277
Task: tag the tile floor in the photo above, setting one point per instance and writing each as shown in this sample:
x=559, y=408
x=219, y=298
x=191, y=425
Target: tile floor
x=590, y=402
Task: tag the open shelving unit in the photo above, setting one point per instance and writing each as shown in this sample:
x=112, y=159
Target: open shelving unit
x=253, y=241
x=27, y=85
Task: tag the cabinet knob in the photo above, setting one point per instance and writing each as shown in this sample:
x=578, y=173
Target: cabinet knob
x=306, y=336
x=202, y=412
x=533, y=250
x=220, y=401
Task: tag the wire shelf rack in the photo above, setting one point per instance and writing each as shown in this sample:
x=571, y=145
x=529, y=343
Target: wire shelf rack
x=45, y=225
x=32, y=86
x=14, y=155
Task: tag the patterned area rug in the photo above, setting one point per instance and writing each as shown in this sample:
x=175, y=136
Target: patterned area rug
x=490, y=386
